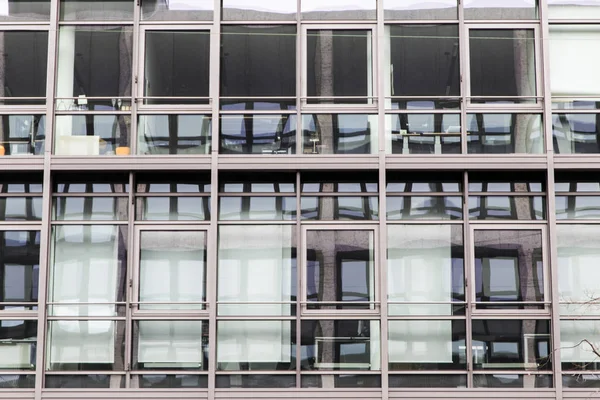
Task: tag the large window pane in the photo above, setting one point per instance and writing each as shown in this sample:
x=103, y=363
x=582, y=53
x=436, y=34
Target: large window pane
x=339, y=64
x=88, y=265
x=509, y=268
x=172, y=269
x=22, y=134
x=258, y=61
x=573, y=9
x=99, y=10
x=424, y=60
x=85, y=381
x=340, y=269
x=340, y=345
x=174, y=134
x=341, y=381
x=18, y=344
x=249, y=10
x=176, y=64
x=255, y=381
x=505, y=133
x=576, y=133
x=425, y=269
x=423, y=133
x=258, y=134
x=427, y=345
x=19, y=267
x=339, y=134
x=255, y=345
x=180, y=10
x=256, y=270
x=338, y=9
x=417, y=9
x=25, y=10
x=92, y=135
x=576, y=340
x=170, y=345
x=502, y=63
x=499, y=9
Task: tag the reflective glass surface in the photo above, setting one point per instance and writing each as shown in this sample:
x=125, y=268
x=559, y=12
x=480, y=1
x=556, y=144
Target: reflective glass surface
x=424, y=207
x=575, y=133
x=25, y=10
x=338, y=9
x=341, y=381
x=507, y=207
x=509, y=268
x=20, y=208
x=427, y=381
x=23, y=134
x=505, y=133
x=577, y=207
x=180, y=10
x=173, y=208
x=257, y=208
x=19, y=266
x=96, y=183
x=340, y=269
x=87, y=381
x=172, y=270
x=18, y=345
x=576, y=341
x=573, y=9
x=499, y=9
x=258, y=134
x=92, y=135
x=339, y=208
x=163, y=381
x=256, y=381
x=90, y=208
x=167, y=183
x=17, y=381
x=250, y=10
x=174, y=134
x=423, y=133
x=512, y=381
x=578, y=380
x=99, y=10
x=417, y=9
x=339, y=134
x=340, y=345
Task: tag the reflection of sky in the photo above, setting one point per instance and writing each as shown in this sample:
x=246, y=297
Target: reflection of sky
x=337, y=5
x=188, y=5
x=276, y=6
x=500, y=3
x=418, y=4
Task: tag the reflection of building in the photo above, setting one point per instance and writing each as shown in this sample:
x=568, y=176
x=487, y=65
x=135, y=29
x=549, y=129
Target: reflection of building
x=232, y=199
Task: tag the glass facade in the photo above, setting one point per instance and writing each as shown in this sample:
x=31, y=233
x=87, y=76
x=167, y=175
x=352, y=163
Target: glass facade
x=299, y=198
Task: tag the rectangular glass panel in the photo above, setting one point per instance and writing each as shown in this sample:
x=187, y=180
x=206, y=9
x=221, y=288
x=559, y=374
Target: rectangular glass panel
x=24, y=67
x=88, y=265
x=256, y=270
x=174, y=134
x=425, y=264
x=172, y=270
x=498, y=9
x=94, y=183
x=357, y=183
x=18, y=345
x=505, y=133
x=19, y=266
x=334, y=208
x=170, y=345
x=488, y=182
x=96, y=10
x=258, y=61
x=576, y=341
x=573, y=9
x=512, y=381
x=417, y=9
x=255, y=381
x=176, y=64
x=340, y=269
x=87, y=381
x=578, y=252
x=22, y=134
x=17, y=381
x=507, y=207
x=92, y=135
x=512, y=345
x=255, y=345
x=25, y=10
x=338, y=9
x=577, y=207
x=165, y=182
x=425, y=184
x=424, y=207
x=341, y=381
x=576, y=133
x=85, y=345
x=20, y=208
x=423, y=133
x=340, y=345
x=173, y=208
x=583, y=381
x=181, y=10
x=427, y=381
x=250, y=10
x=164, y=381
x=502, y=63
x=93, y=61
x=509, y=268
x=339, y=64
x=339, y=134
x=258, y=134
x=423, y=61
x=90, y=208
x=257, y=208
x=427, y=345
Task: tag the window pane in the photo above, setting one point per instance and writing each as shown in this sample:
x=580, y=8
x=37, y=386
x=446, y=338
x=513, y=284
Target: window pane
x=174, y=134
x=255, y=345
x=20, y=208
x=338, y=9
x=176, y=65
x=423, y=133
x=577, y=207
x=578, y=252
x=576, y=353
x=172, y=269
x=19, y=266
x=256, y=270
x=573, y=9
x=340, y=345
x=424, y=207
x=498, y=9
x=163, y=381
x=576, y=133
x=22, y=134
x=17, y=381
x=258, y=61
x=85, y=345
x=87, y=381
x=424, y=61
x=257, y=208
x=428, y=381
x=509, y=268
x=507, y=207
x=427, y=345
x=512, y=381
x=98, y=10
x=88, y=265
x=170, y=345
x=25, y=10
x=417, y=9
x=181, y=10
x=93, y=61
x=339, y=134
x=341, y=381
x=19, y=345
x=256, y=381
x=511, y=344
x=578, y=380
x=340, y=269
x=173, y=208
x=505, y=133
x=92, y=135
x=90, y=208
x=258, y=134
x=339, y=208
x=92, y=183
x=502, y=63
x=250, y=10
x=339, y=64
x=425, y=264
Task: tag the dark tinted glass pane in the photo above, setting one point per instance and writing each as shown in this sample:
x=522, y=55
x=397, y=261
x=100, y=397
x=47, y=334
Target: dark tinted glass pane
x=428, y=381
x=512, y=381
x=92, y=381
x=18, y=352
x=424, y=60
x=577, y=380
x=258, y=61
x=19, y=266
x=17, y=381
x=256, y=381
x=576, y=133
x=258, y=134
x=179, y=381
x=505, y=133
x=341, y=381
x=22, y=134
x=24, y=64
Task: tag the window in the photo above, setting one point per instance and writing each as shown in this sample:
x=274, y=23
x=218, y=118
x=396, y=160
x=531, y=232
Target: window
x=415, y=9
x=90, y=10
x=498, y=9
x=505, y=133
x=182, y=10
x=328, y=10
x=423, y=133
x=339, y=134
x=161, y=134
x=248, y=10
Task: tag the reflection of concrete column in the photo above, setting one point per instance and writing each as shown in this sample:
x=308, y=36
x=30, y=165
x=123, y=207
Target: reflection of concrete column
x=524, y=64
x=324, y=84
x=64, y=79
x=125, y=73
x=328, y=278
